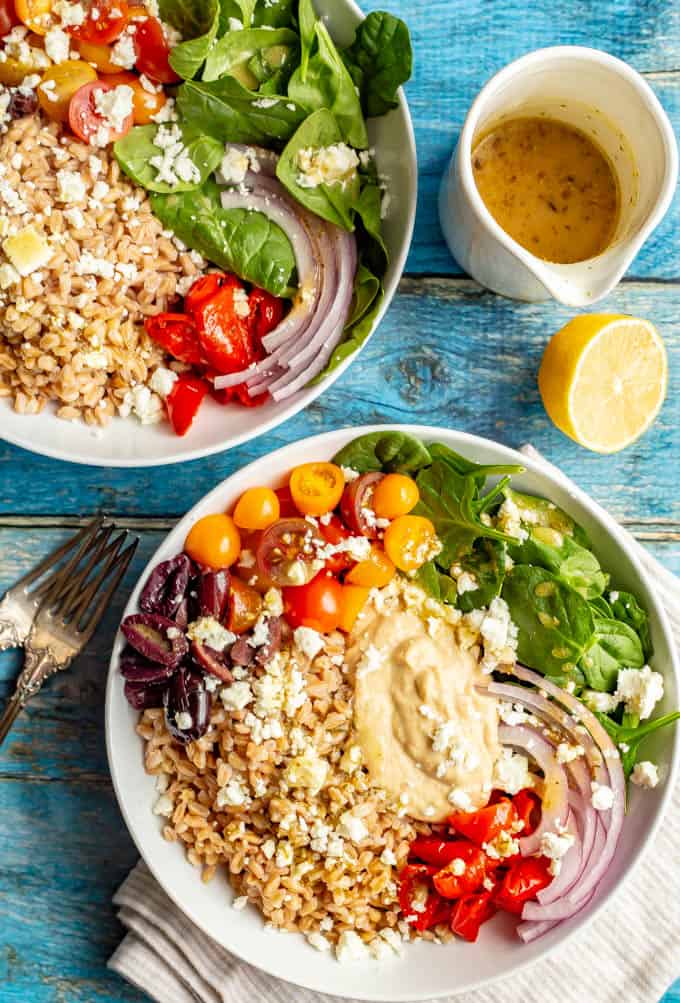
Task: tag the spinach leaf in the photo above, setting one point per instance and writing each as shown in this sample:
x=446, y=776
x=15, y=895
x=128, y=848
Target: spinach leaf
x=616, y=646
x=556, y=625
x=366, y=306
x=601, y=607
x=135, y=151
x=451, y=501
x=334, y=202
x=390, y=452
x=486, y=561
x=230, y=10
x=307, y=23
x=461, y=465
x=437, y=584
x=627, y=609
x=233, y=53
x=574, y=564
x=368, y=208
x=274, y=14
x=191, y=19
x=367, y=288
x=323, y=81
x=634, y=736
x=246, y=243
x=230, y=113
x=380, y=61
x=535, y=511
x=187, y=58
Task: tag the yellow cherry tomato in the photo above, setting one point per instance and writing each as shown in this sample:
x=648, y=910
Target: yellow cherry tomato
x=257, y=508
x=13, y=72
x=35, y=14
x=410, y=541
x=60, y=83
x=373, y=573
x=395, y=495
x=145, y=104
x=316, y=488
x=99, y=54
x=352, y=602
x=214, y=542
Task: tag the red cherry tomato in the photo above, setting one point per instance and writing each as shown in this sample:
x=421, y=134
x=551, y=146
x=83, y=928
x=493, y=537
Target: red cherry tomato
x=177, y=335
x=317, y=605
x=452, y=885
x=8, y=17
x=153, y=51
x=484, y=825
x=286, y=552
x=470, y=913
x=245, y=606
x=528, y=807
x=433, y=850
x=105, y=22
x=523, y=880
x=86, y=121
x=356, y=502
x=286, y=503
x=184, y=400
x=266, y=312
x=334, y=532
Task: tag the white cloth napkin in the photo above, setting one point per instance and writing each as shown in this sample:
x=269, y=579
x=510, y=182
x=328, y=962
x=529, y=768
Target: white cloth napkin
x=630, y=953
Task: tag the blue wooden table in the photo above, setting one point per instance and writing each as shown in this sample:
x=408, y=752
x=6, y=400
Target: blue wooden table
x=448, y=353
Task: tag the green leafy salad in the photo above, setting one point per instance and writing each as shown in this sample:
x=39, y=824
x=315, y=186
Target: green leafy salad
x=574, y=626
x=262, y=164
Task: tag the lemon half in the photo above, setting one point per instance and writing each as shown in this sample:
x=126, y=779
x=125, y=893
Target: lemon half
x=603, y=379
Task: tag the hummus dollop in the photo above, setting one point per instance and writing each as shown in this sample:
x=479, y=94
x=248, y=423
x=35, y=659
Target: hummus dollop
x=428, y=737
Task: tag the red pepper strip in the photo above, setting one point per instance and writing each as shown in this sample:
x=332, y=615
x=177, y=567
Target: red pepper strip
x=484, y=825
x=528, y=808
x=184, y=400
x=176, y=333
x=452, y=885
x=470, y=913
x=412, y=877
x=522, y=882
x=266, y=313
x=433, y=849
x=224, y=336
x=206, y=287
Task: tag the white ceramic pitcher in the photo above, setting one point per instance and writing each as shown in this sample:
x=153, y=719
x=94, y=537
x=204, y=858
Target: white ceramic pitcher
x=605, y=98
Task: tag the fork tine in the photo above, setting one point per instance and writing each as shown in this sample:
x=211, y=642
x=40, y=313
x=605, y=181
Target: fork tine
x=84, y=596
x=66, y=593
x=52, y=588
x=123, y=562
x=52, y=559
x=69, y=600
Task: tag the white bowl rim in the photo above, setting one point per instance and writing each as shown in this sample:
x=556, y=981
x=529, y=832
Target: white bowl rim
x=464, y=440
x=308, y=394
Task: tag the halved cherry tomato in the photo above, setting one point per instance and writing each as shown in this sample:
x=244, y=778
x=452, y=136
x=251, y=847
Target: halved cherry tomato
x=528, y=807
x=137, y=12
x=35, y=14
x=100, y=55
x=286, y=503
x=334, y=533
x=224, y=336
x=523, y=880
x=58, y=85
x=287, y=552
x=356, y=506
x=153, y=51
x=257, y=508
x=316, y=487
x=373, y=573
x=354, y=598
x=409, y=541
x=266, y=312
x=470, y=913
x=177, y=335
x=86, y=121
x=105, y=22
x=214, y=542
x=184, y=401
x=472, y=862
x=395, y=495
x=484, y=825
x=434, y=850
x=245, y=606
x=145, y=103
x=317, y=605
x=13, y=72
x=8, y=17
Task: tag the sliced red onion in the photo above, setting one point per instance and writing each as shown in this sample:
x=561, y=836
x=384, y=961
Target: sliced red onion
x=568, y=904
x=555, y=806
x=531, y=930
x=570, y=868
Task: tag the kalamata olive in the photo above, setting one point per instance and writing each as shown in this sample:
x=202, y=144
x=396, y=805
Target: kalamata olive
x=138, y=669
x=144, y=696
x=187, y=706
x=156, y=638
x=181, y=617
x=213, y=594
x=22, y=103
x=242, y=653
x=245, y=606
x=287, y=550
x=211, y=661
x=356, y=500
x=268, y=650
x=166, y=587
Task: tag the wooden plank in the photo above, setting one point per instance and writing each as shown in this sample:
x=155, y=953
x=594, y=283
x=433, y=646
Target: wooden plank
x=447, y=354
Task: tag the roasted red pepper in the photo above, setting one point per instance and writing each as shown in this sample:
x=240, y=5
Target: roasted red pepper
x=176, y=333
x=335, y=532
x=287, y=506
x=184, y=400
x=523, y=880
x=422, y=907
x=464, y=874
x=470, y=913
x=434, y=850
x=484, y=825
x=206, y=287
x=223, y=334
x=266, y=313
x=528, y=808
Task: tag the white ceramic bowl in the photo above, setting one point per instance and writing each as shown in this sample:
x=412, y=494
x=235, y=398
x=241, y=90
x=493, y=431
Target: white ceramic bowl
x=425, y=971
x=127, y=443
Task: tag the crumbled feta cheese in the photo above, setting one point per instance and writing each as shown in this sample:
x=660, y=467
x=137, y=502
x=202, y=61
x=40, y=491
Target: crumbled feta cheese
x=75, y=217
x=310, y=642
x=466, y=582
x=69, y=13
x=87, y=264
x=140, y=401
x=603, y=796
x=371, y=661
x=645, y=774
x=388, y=858
x=308, y=770
x=210, y=632
x=9, y=276
x=504, y=845
x=568, y=753
x=164, y=806
x=458, y=866
x=350, y=947
x=237, y=696
x=284, y=854
x=233, y=795
x=183, y=720
x=240, y=903
x=554, y=846
x=70, y=186
x=641, y=689
x=460, y=799
x=115, y=105
x=511, y=772
x=123, y=52
x=602, y=702
x=326, y=165
x=241, y=303
x=352, y=828
x=235, y=165
x=57, y=45
x=318, y=941
x=162, y=381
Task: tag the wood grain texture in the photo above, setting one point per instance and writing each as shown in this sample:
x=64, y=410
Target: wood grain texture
x=448, y=354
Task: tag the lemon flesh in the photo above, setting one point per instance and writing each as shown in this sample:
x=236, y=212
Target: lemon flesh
x=603, y=380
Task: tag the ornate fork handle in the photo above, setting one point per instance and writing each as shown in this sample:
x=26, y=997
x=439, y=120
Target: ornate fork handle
x=10, y=635
x=39, y=665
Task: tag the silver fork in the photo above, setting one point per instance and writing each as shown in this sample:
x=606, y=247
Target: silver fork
x=72, y=604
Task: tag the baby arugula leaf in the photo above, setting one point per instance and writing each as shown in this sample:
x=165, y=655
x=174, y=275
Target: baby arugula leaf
x=633, y=737
x=555, y=623
x=380, y=61
x=389, y=452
